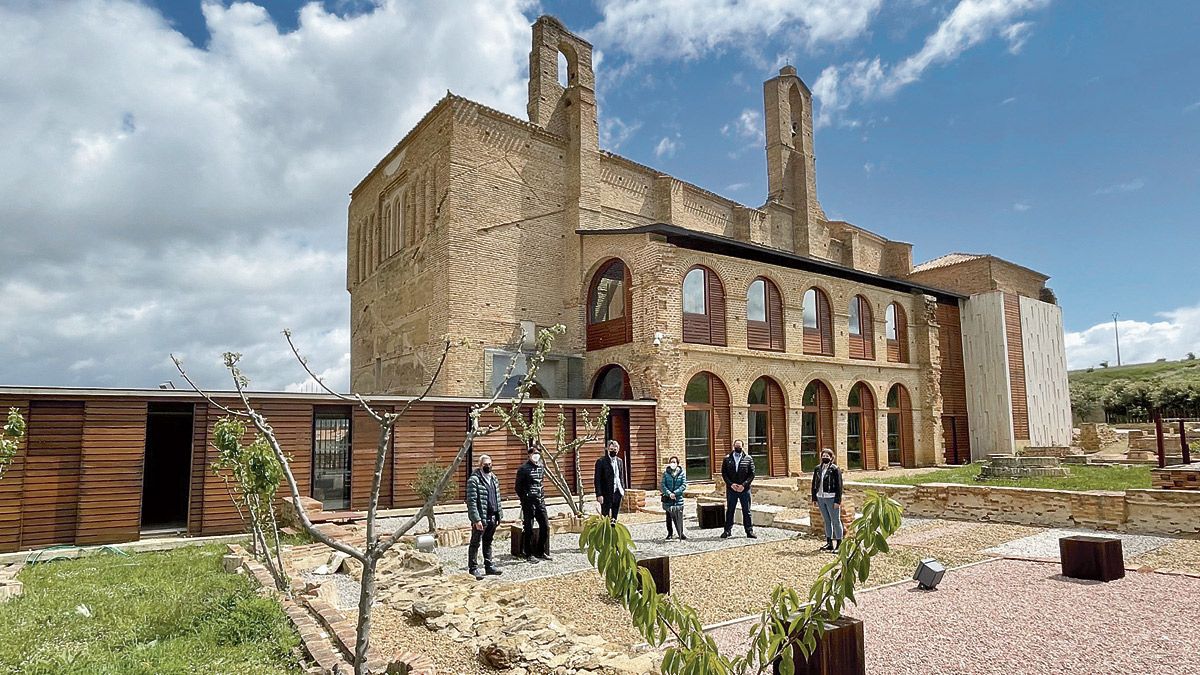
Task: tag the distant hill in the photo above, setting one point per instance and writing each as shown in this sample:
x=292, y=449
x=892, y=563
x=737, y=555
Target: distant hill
x=1131, y=393
x=1136, y=371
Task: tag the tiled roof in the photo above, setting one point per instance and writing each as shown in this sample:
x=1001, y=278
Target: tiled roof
x=947, y=260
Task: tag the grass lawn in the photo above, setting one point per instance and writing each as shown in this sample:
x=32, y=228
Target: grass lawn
x=171, y=612
x=1082, y=478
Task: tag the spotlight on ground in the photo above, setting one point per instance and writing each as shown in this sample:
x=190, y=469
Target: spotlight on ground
x=426, y=542
x=929, y=574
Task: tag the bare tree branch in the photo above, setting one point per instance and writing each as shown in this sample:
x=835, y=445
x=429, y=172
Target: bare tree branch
x=437, y=371
x=356, y=398
x=198, y=390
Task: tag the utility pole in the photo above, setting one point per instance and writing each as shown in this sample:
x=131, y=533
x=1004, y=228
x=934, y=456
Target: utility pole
x=1117, y=336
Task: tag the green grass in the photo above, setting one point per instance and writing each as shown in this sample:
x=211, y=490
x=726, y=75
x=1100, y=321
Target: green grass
x=151, y=613
x=1082, y=478
x=1136, y=371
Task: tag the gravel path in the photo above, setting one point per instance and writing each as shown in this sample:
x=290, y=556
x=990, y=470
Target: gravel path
x=1181, y=554
x=1044, y=544
x=648, y=534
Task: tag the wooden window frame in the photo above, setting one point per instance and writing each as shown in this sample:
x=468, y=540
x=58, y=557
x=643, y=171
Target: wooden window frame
x=862, y=344
x=707, y=328
x=897, y=347
x=611, y=332
x=766, y=335
x=819, y=341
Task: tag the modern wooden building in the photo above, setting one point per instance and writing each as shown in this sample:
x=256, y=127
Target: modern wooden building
x=101, y=466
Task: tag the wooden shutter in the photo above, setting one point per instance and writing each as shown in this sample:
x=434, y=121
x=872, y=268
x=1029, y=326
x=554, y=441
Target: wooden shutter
x=110, y=476
x=825, y=323
x=907, y=454
x=364, y=443
x=722, y=437
x=870, y=446
x=50, y=498
x=897, y=349
x=1016, y=367
x=716, y=308
x=775, y=316
x=866, y=322
x=777, y=412
x=824, y=418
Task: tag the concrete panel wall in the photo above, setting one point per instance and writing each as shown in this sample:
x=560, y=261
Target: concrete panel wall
x=985, y=359
x=1045, y=374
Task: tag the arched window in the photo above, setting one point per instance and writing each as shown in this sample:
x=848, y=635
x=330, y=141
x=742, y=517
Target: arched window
x=860, y=429
x=818, y=320
x=767, y=427
x=609, y=300
x=562, y=70
x=816, y=424
x=897, y=334
x=764, y=316
x=899, y=427
x=706, y=425
x=703, y=307
x=862, y=329
x=612, y=382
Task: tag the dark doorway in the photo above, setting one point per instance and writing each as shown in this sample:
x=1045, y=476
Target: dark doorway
x=168, y=466
x=331, y=458
x=617, y=429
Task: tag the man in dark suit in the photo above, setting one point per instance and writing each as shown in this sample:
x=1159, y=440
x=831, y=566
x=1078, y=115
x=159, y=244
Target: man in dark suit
x=738, y=473
x=609, y=480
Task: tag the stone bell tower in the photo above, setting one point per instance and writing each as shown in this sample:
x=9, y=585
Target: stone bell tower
x=791, y=165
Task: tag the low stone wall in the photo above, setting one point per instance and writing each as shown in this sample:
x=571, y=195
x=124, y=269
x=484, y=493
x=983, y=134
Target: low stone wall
x=1175, y=512
x=1185, y=477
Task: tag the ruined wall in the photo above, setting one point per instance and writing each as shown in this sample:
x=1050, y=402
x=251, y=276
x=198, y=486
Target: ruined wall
x=1046, y=386
x=985, y=357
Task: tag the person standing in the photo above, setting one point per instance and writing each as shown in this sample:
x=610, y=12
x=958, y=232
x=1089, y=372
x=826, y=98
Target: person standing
x=738, y=473
x=608, y=481
x=533, y=506
x=827, y=495
x=674, y=483
x=483, y=508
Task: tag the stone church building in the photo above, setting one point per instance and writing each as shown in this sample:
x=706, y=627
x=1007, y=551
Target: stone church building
x=771, y=324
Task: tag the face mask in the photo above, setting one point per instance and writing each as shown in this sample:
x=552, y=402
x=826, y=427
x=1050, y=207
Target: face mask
x=535, y=458
x=826, y=460
x=487, y=468
x=737, y=451
x=612, y=453
x=673, y=465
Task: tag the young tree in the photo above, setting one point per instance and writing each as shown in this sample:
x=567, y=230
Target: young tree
x=376, y=544
x=428, y=477
x=10, y=439
x=256, y=473
x=788, y=622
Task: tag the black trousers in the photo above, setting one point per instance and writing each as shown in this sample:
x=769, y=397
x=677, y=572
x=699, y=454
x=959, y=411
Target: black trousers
x=530, y=511
x=732, y=499
x=612, y=505
x=484, y=537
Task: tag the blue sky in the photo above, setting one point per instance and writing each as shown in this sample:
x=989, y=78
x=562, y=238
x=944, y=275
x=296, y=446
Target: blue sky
x=1061, y=135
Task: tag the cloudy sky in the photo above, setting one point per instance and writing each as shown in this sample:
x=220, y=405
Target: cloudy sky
x=174, y=175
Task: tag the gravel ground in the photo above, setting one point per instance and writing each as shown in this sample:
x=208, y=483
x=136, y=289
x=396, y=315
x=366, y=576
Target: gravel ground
x=648, y=532
x=1011, y=616
x=392, y=632
x=346, y=585
x=1044, y=544
x=1181, y=554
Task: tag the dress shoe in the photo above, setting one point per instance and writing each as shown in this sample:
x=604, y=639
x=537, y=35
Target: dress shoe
x=492, y=572
x=724, y=535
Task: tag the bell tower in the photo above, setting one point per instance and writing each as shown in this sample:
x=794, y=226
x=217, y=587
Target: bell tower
x=791, y=165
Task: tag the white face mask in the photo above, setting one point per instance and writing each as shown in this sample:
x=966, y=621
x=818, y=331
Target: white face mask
x=673, y=465
x=536, y=458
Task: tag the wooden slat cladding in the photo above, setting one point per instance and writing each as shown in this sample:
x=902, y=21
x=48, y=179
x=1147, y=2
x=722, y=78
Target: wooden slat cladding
x=767, y=335
x=819, y=341
x=897, y=348
x=412, y=446
x=708, y=328
x=50, y=481
x=645, y=471
x=11, y=509
x=200, y=422
x=955, y=429
x=907, y=452
x=110, y=485
x=1016, y=366
x=824, y=416
x=364, y=444
x=870, y=444
x=777, y=432
x=615, y=331
x=862, y=345
x=508, y=453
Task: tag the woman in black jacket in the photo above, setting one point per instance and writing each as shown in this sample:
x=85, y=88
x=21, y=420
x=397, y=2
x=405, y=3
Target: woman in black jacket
x=827, y=495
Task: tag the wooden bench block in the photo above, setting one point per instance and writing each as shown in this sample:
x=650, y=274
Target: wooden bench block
x=660, y=571
x=710, y=516
x=1095, y=558
x=840, y=651
x=537, y=542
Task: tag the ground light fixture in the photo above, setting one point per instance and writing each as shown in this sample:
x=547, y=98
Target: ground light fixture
x=929, y=574
x=426, y=543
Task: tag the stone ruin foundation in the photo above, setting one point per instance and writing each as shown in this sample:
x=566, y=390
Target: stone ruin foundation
x=1014, y=466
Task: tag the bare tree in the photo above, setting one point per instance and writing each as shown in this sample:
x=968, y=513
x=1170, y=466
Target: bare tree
x=376, y=545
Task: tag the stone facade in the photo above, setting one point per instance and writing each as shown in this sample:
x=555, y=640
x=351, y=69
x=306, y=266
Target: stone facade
x=478, y=222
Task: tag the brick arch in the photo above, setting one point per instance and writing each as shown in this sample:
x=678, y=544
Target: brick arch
x=774, y=409
x=819, y=341
x=615, y=331
x=767, y=335
x=863, y=427
x=817, y=430
x=719, y=419
x=862, y=346
x=604, y=371
x=903, y=422
x=897, y=349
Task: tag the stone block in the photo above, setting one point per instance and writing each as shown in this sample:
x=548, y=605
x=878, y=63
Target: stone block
x=11, y=589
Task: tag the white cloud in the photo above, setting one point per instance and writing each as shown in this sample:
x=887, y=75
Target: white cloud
x=749, y=124
x=971, y=22
x=157, y=197
x=687, y=29
x=614, y=132
x=1010, y=99
x=1176, y=334
x=1192, y=107
x=666, y=147
x=1017, y=35
x=737, y=187
x=1021, y=207
x=1119, y=188
x=869, y=167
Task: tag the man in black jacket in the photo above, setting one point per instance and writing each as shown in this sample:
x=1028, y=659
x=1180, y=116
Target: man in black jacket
x=827, y=495
x=609, y=480
x=738, y=473
x=533, y=506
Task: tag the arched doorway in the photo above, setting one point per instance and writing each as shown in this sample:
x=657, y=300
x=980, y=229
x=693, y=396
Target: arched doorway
x=766, y=436
x=899, y=427
x=706, y=428
x=860, y=429
x=816, y=424
x=609, y=303
x=612, y=382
